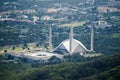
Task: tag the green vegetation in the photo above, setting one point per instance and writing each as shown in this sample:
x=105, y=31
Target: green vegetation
x=112, y=74
x=20, y=47
x=15, y=36
x=78, y=71
x=10, y=69
x=106, y=68
x=15, y=32
x=117, y=23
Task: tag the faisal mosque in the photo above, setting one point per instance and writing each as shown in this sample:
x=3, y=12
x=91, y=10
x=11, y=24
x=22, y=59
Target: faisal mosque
x=69, y=46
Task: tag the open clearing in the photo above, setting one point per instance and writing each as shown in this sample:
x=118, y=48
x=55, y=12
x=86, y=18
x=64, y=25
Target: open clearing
x=73, y=24
x=20, y=48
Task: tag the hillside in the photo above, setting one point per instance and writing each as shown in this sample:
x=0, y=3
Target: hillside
x=104, y=68
x=107, y=68
x=112, y=74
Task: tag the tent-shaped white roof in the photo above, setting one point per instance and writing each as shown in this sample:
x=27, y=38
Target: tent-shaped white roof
x=77, y=46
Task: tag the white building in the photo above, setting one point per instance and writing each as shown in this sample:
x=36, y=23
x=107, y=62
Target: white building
x=77, y=47
x=102, y=21
x=71, y=46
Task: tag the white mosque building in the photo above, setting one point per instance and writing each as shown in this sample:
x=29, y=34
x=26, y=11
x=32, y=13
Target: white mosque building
x=67, y=47
x=71, y=45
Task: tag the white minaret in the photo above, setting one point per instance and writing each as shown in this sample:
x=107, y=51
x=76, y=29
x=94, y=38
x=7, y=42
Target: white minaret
x=71, y=39
x=92, y=37
x=50, y=39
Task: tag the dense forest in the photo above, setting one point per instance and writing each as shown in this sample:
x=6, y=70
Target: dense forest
x=104, y=68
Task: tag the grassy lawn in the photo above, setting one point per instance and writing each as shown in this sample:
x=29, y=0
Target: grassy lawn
x=73, y=24
x=9, y=48
x=19, y=48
